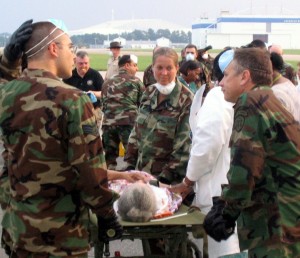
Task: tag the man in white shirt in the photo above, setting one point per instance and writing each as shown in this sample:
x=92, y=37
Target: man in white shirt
x=210, y=158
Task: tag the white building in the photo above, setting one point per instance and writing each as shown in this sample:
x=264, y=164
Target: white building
x=122, y=26
x=122, y=41
x=238, y=30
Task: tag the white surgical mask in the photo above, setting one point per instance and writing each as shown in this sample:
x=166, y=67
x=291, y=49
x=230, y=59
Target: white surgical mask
x=189, y=57
x=165, y=89
x=205, y=56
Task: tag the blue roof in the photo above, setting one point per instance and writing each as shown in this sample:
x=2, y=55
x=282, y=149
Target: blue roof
x=204, y=26
x=259, y=19
x=245, y=20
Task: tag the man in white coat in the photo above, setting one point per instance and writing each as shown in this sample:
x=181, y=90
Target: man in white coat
x=209, y=161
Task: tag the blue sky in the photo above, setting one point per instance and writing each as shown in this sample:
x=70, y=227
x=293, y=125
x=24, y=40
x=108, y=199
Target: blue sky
x=80, y=14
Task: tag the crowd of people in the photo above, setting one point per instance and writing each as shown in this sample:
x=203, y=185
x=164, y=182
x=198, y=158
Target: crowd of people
x=221, y=133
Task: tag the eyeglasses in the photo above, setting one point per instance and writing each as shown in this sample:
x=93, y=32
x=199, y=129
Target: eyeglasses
x=72, y=47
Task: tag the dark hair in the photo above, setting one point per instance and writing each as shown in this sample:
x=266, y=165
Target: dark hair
x=40, y=38
x=82, y=54
x=257, y=43
x=191, y=46
x=188, y=65
x=257, y=61
x=277, y=61
x=216, y=68
x=124, y=60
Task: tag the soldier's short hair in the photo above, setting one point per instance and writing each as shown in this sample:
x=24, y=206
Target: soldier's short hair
x=42, y=34
x=125, y=59
x=82, y=54
x=137, y=203
x=257, y=61
x=191, y=46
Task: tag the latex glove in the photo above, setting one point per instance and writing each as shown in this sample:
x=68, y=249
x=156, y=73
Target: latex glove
x=109, y=228
x=92, y=96
x=15, y=47
x=133, y=176
x=216, y=224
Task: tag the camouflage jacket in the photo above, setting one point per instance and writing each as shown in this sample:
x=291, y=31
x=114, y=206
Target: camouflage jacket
x=148, y=77
x=9, y=71
x=121, y=96
x=264, y=176
x=55, y=165
x=160, y=142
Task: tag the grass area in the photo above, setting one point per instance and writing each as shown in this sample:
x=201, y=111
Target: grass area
x=99, y=61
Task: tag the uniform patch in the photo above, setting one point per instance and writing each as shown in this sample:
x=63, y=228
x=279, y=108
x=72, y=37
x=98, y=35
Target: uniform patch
x=239, y=119
x=90, y=129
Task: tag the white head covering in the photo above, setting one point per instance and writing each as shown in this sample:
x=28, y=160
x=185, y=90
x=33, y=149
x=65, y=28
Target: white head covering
x=225, y=59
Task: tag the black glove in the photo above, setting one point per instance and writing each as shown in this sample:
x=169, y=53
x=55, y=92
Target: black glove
x=130, y=167
x=216, y=224
x=109, y=228
x=188, y=200
x=15, y=47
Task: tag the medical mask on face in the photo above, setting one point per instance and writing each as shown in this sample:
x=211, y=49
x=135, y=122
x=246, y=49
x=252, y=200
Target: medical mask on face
x=189, y=57
x=165, y=89
x=205, y=56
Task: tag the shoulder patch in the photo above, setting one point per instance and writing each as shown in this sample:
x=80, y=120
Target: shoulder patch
x=239, y=119
x=90, y=129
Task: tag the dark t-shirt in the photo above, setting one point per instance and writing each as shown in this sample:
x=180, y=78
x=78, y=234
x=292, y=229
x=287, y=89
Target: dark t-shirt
x=92, y=80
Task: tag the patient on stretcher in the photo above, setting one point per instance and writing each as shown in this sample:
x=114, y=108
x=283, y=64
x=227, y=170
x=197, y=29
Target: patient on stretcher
x=141, y=202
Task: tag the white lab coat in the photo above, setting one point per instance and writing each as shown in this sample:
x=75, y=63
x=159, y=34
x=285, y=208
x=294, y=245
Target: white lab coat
x=210, y=157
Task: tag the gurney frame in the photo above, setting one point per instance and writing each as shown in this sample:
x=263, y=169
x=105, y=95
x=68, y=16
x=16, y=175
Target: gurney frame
x=173, y=231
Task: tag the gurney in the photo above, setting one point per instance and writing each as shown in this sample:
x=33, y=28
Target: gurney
x=173, y=230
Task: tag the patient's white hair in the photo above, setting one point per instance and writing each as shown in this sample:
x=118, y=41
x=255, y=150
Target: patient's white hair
x=137, y=203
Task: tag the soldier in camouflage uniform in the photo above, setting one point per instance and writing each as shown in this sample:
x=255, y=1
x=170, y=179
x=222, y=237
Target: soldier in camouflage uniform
x=160, y=142
x=121, y=96
x=10, y=68
x=264, y=176
x=53, y=155
x=148, y=77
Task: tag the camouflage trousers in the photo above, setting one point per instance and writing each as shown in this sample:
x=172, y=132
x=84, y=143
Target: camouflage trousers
x=276, y=251
x=111, y=137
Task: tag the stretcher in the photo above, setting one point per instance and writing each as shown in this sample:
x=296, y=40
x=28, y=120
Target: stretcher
x=172, y=230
